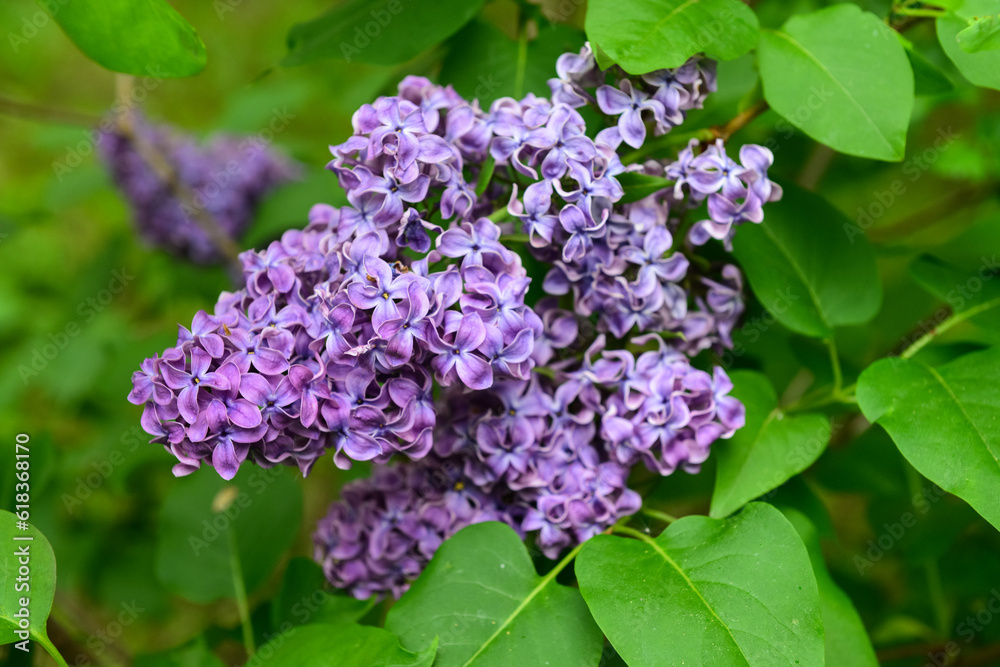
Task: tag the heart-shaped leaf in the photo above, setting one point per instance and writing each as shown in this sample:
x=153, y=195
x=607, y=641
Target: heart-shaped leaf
x=645, y=35
x=341, y=645
x=379, y=32
x=738, y=591
x=945, y=421
x=481, y=597
x=810, y=265
x=841, y=76
x=770, y=449
x=141, y=37
x=846, y=640
x=26, y=548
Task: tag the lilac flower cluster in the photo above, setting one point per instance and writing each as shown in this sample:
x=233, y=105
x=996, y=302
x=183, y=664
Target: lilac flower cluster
x=229, y=178
x=334, y=345
x=385, y=529
x=400, y=327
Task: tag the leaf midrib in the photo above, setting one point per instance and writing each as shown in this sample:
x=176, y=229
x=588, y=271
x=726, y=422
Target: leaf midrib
x=545, y=581
x=881, y=135
x=801, y=275
x=666, y=557
x=937, y=376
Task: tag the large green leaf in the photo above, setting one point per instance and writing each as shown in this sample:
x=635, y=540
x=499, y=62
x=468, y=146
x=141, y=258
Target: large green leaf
x=847, y=641
x=645, y=35
x=480, y=595
x=304, y=598
x=29, y=549
x=380, y=32
x=945, y=421
x=141, y=37
x=768, y=451
x=841, y=76
x=809, y=265
x=193, y=556
x=340, y=645
x=499, y=68
x=981, y=68
x=709, y=592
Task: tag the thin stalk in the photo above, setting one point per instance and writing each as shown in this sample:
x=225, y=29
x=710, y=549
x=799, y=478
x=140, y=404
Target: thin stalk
x=161, y=164
x=956, y=318
x=632, y=532
x=522, y=60
x=38, y=113
x=241, y=592
x=658, y=515
x=838, y=379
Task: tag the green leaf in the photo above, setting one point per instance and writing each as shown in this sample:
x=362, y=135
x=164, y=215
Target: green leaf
x=768, y=451
x=383, y=32
x=945, y=421
x=193, y=654
x=193, y=555
x=41, y=577
x=710, y=592
x=928, y=79
x=645, y=35
x=344, y=646
x=810, y=265
x=963, y=290
x=480, y=595
x=304, y=598
x=493, y=73
x=638, y=186
x=141, y=37
x=847, y=641
x=841, y=76
x=982, y=68
x=982, y=34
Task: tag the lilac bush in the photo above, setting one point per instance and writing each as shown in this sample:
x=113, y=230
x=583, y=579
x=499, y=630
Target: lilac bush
x=405, y=328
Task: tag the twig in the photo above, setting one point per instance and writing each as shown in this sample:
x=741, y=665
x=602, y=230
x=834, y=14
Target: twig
x=740, y=121
x=34, y=112
x=161, y=164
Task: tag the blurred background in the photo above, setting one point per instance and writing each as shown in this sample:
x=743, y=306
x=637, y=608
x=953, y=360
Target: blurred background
x=130, y=579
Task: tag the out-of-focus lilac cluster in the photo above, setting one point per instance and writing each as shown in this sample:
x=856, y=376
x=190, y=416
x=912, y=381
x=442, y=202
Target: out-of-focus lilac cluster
x=402, y=324
x=229, y=176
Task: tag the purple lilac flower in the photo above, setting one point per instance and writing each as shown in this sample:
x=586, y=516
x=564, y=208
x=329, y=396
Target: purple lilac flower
x=403, y=328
